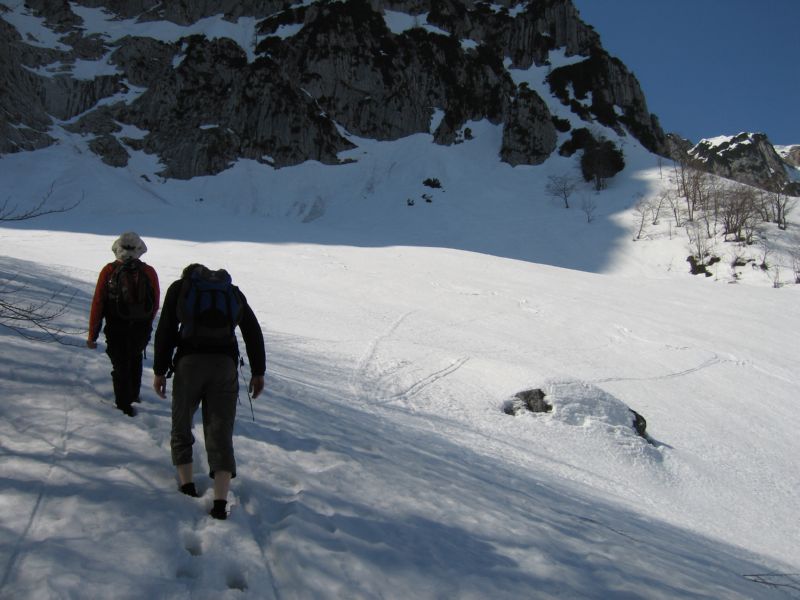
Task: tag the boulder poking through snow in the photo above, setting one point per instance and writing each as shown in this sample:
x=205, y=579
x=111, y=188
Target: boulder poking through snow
x=578, y=403
x=639, y=424
x=530, y=400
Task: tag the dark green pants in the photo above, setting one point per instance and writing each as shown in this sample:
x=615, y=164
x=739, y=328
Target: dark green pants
x=210, y=381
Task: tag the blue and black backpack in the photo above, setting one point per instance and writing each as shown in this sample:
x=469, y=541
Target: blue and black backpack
x=209, y=309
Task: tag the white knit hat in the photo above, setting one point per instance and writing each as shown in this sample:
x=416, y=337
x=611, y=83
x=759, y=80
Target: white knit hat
x=128, y=245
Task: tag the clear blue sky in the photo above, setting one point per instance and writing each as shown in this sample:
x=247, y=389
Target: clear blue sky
x=709, y=67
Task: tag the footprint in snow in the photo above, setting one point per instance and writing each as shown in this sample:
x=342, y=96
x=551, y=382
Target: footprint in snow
x=186, y=571
x=192, y=543
x=235, y=579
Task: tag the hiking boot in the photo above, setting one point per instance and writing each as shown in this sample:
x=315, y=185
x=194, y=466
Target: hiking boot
x=128, y=410
x=219, y=512
x=189, y=490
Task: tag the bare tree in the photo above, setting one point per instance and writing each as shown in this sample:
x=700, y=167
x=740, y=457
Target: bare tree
x=711, y=199
x=562, y=187
x=766, y=251
x=795, y=256
x=680, y=178
x=12, y=212
x=698, y=193
x=657, y=205
x=641, y=215
x=764, y=206
x=700, y=248
x=782, y=205
x=26, y=318
x=673, y=199
x=691, y=184
x=589, y=207
x=776, y=277
x=695, y=192
x=738, y=212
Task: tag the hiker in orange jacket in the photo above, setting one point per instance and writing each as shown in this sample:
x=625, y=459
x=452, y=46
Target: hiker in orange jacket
x=127, y=298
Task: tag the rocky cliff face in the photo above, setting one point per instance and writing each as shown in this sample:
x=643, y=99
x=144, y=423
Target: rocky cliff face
x=748, y=158
x=791, y=155
x=29, y=101
x=310, y=72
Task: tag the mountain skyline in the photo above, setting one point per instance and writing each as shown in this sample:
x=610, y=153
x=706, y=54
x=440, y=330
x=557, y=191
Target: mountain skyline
x=709, y=68
x=360, y=94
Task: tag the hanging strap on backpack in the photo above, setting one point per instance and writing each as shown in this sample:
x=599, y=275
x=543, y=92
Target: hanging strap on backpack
x=247, y=388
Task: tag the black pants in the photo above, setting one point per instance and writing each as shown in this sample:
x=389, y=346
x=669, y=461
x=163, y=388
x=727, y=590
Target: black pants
x=125, y=344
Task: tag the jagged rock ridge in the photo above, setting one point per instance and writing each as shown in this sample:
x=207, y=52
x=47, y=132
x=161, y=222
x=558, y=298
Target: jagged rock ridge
x=748, y=158
x=204, y=102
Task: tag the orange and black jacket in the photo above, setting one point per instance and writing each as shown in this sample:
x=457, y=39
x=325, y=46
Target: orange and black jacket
x=98, y=310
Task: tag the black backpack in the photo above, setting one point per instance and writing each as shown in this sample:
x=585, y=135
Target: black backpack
x=131, y=296
x=209, y=309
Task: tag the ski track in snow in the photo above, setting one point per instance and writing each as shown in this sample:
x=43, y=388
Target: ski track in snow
x=714, y=360
x=423, y=383
x=374, y=381
x=368, y=359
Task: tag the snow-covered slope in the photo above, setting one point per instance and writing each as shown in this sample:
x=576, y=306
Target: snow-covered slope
x=379, y=463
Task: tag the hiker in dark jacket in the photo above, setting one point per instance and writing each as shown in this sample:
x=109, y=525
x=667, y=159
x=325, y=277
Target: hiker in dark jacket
x=205, y=373
x=126, y=338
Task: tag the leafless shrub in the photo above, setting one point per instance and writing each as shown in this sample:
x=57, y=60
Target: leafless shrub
x=795, y=258
x=11, y=212
x=32, y=319
x=562, y=187
x=589, y=207
x=641, y=215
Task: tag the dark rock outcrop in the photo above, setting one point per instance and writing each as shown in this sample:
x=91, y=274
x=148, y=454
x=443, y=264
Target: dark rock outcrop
x=529, y=135
x=792, y=156
x=204, y=103
x=215, y=107
x=747, y=158
x=24, y=122
x=37, y=86
x=110, y=150
x=527, y=400
x=639, y=424
x=611, y=87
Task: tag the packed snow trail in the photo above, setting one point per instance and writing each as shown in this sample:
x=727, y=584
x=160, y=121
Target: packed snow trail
x=331, y=500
